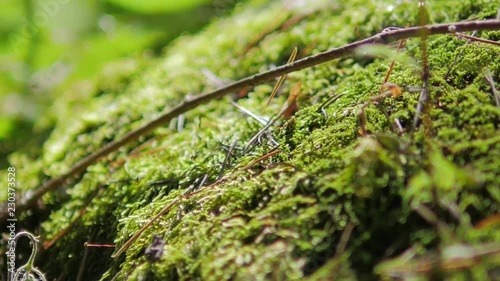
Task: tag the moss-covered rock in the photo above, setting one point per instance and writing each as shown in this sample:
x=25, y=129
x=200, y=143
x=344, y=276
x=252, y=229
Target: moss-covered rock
x=327, y=203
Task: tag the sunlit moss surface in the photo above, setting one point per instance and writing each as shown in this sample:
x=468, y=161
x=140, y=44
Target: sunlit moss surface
x=286, y=216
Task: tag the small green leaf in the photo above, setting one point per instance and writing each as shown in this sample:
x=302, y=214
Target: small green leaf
x=389, y=142
x=419, y=188
x=383, y=51
x=445, y=174
x=5, y=127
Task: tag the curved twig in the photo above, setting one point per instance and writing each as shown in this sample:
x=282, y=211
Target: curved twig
x=30, y=199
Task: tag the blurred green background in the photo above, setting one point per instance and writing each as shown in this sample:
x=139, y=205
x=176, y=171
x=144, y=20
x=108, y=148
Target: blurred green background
x=53, y=50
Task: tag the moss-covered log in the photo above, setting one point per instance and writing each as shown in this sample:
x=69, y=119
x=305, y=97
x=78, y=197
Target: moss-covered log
x=327, y=202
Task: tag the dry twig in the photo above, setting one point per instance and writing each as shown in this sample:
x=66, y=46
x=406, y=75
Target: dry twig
x=29, y=199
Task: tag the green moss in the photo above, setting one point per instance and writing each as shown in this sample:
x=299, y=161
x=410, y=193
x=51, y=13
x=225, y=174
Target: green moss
x=283, y=217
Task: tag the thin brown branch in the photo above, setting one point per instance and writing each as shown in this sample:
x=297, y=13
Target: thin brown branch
x=494, y=91
x=129, y=242
x=474, y=38
x=393, y=62
x=29, y=200
x=422, y=106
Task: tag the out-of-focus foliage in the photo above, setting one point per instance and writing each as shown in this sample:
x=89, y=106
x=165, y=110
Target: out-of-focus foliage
x=46, y=46
x=155, y=6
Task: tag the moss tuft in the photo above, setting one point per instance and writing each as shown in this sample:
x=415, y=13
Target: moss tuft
x=283, y=217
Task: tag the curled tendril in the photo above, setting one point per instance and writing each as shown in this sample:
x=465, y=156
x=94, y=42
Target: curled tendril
x=28, y=271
